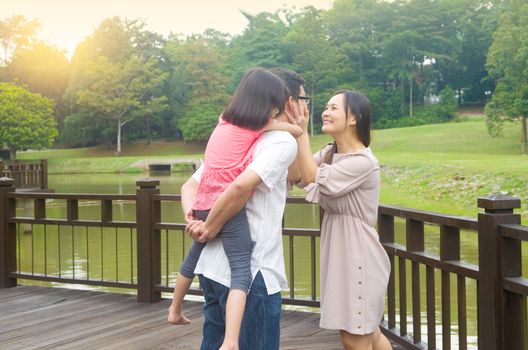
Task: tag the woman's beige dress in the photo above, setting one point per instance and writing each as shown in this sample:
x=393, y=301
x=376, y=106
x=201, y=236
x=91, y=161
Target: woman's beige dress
x=354, y=266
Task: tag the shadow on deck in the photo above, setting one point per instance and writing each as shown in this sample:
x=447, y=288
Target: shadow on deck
x=54, y=318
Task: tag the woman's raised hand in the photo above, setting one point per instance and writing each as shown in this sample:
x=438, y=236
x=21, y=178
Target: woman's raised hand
x=303, y=115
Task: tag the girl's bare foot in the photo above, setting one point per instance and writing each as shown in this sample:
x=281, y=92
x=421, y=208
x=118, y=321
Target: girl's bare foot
x=176, y=317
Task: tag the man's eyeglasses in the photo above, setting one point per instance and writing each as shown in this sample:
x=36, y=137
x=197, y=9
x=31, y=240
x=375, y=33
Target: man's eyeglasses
x=305, y=98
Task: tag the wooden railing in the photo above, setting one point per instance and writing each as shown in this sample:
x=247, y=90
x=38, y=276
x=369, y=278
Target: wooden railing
x=150, y=246
x=501, y=289
x=27, y=174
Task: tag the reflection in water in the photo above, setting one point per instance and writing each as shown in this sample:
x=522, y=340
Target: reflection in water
x=113, y=183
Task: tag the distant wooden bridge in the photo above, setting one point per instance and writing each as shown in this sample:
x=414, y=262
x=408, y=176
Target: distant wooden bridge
x=166, y=164
x=28, y=175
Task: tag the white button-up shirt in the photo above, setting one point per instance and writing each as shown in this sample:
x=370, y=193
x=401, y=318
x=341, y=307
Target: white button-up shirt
x=274, y=153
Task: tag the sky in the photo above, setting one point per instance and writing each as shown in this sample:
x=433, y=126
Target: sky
x=64, y=23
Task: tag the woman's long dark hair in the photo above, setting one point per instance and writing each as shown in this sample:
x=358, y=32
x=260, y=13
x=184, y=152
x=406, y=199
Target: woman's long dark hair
x=257, y=94
x=358, y=105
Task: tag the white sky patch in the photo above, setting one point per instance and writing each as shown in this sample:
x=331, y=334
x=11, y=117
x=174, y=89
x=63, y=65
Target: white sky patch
x=65, y=23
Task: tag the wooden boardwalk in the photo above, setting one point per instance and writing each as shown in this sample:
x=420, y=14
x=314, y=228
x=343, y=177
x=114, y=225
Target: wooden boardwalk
x=33, y=317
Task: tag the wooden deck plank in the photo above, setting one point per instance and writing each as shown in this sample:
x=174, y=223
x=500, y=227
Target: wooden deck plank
x=73, y=321
x=32, y=314
x=54, y=318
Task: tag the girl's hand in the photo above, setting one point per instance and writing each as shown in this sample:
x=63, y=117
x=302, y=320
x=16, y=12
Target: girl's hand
x=189, y=217
x=198, y=231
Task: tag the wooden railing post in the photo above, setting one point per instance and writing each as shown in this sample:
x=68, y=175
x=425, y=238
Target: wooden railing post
x=386, y=235
x=515, y=318
x=43, y=174
x=415, y=242
x=498, y=209
x=7, y=235
x=148, y=241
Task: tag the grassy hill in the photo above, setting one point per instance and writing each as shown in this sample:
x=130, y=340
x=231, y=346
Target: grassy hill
x=445, y=167
x=102, y=159
x=441, y=167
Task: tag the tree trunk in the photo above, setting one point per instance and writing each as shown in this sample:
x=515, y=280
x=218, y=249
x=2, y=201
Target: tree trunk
x=118, y=153
x=402, y=107
x=361, y=68
x=311, y=110
x=523, y=135
x=149, y=128
x=12, y=153
x=411, y=97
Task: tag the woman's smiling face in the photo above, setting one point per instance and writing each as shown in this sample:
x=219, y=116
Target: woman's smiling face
x=334, y=116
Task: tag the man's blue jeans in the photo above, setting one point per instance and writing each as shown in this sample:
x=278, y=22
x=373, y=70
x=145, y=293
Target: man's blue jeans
x=261, y=323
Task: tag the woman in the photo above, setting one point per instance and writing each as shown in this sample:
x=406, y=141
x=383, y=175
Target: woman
x=344, y=179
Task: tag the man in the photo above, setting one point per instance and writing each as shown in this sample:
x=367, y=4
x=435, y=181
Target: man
x=262, y=188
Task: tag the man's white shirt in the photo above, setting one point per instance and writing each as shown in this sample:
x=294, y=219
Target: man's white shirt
x=273, y=154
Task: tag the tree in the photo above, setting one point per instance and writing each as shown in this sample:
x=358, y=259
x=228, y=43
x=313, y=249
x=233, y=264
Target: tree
x=507, y=64
x=27, y=119
x=419, y=36
x=116, y=77
x=16, y=32
x=117, y=90
x=261, y=42
x=199, y=85
x=470, y=28
x=148, y=45
x=41, y=69
x=311, y=54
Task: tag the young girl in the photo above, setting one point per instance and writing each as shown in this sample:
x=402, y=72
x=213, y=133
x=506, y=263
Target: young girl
x=259, y=98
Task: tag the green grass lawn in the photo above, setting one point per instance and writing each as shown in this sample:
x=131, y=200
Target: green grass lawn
x=440, y=167
x=446, y=167
x=102, y=159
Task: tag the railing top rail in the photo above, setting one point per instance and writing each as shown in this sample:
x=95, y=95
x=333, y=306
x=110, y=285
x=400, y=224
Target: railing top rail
x=517, y=285
x=79, y=196
x=167, y=197
x=177, y=197
x=66, y=222
x=21, y=161
x=461, y=222
x=519, y=232
x=296, y=200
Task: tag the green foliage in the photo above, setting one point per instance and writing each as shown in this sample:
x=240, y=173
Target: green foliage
x=507, y=63
x=42, y=68
x=433, y=114
x=198, y=85
x=117, y=82
x=262, y=41
x=127, y=83
x=16, y=32
x=26, y=119
x=198, y=123
x=78, y=132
